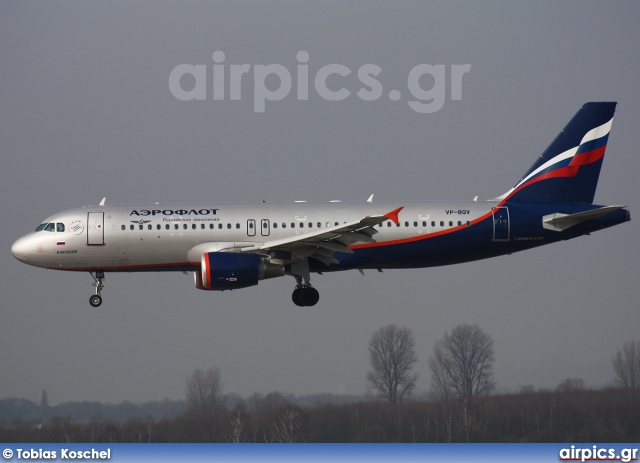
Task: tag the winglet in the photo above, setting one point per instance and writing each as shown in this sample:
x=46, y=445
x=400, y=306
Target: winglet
x=393, y=215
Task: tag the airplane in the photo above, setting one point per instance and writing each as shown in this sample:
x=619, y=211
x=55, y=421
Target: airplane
x=233, y=246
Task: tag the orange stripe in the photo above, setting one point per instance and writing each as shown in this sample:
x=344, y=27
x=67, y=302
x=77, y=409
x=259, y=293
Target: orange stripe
x=419, y=237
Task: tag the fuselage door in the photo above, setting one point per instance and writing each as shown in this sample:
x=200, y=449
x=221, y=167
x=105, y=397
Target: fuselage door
x=251, y=227
x=95, y=228
x=501, y=226
x=265, y=227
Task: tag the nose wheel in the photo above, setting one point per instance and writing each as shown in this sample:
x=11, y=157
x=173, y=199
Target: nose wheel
x=96, y=299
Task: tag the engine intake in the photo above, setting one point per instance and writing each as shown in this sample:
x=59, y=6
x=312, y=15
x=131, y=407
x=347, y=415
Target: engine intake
x=231, y=270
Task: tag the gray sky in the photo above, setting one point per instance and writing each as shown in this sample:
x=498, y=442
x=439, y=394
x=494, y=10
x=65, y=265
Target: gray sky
x=86, y=112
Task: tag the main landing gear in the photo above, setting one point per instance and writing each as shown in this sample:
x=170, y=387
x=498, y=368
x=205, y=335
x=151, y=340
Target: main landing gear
x=96, y=299
x=304, y=295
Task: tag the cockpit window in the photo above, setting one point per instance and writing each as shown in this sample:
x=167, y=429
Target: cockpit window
x=41, y=226
x=50, y=227
x=60, y=227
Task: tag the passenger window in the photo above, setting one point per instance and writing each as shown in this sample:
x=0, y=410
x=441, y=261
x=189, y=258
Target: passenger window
x=184, y=226
x=433, y=223
x=229, y=226
x=122, y=227
x=310, y=224
x=450, y=223
x=424, y=224
x=406, y=224
x=158, y=226
x=49, y=227
x=301, y=224
x=468, y=223
x=193, y=226
x=238, y=226
x=441, y=223
x=167, y=226
x=211, y=226
x=284, y=225
x=176, y=226
x=275, y=225
x=59, y=227
x=459, y=223
x=131, y=227
x=149, y=227
x=388, y=224
x=293, y=225
x=202, y=226
x=220, y=226
x=140, y=226
x=319, y=225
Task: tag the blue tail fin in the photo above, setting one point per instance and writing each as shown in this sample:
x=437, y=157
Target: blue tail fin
x=568, y=170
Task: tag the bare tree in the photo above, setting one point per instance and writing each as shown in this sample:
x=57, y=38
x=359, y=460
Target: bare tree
x=462, y=364
x=204, y=389
x=290, y=427
x=626, y=365
x=571, y=385
x=205, y=412
x=238, y=431
x=392, y=355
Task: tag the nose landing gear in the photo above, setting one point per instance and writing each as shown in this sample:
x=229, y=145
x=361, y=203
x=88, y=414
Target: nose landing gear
x=96, y=299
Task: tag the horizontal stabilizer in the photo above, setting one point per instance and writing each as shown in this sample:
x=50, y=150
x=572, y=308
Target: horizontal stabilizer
x=560, y=222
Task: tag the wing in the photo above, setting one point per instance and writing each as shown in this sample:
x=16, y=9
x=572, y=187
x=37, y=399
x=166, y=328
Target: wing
x=322, y=244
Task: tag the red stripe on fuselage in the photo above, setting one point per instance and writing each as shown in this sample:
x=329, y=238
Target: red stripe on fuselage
x=420, y=237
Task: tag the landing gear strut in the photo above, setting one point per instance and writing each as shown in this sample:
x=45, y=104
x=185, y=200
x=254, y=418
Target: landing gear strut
x=304, y=295
x=96, y=299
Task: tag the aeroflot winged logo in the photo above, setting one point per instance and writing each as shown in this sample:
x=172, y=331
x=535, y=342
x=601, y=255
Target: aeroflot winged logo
x=147, y=212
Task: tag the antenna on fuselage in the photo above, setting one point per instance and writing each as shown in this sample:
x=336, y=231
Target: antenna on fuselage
x=370, y=200
x=103, y=201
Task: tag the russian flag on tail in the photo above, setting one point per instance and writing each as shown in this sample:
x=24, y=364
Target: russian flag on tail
x=568, y=170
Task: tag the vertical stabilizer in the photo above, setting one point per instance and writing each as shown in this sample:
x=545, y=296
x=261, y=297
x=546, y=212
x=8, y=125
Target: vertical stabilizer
x=568, y=170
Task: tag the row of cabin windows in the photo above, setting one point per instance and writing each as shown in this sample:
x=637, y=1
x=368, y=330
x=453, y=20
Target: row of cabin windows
x=194, y=226
x=176, y=226
x=265, y=225
x=300, y=225
x=425, y=223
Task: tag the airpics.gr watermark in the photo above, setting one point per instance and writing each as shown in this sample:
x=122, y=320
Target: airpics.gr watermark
x=328, y=82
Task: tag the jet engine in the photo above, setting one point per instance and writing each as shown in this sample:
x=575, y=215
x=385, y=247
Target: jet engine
x=233, y=270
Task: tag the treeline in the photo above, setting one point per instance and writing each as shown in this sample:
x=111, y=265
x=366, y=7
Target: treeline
x=21, y=413
x=579, y=416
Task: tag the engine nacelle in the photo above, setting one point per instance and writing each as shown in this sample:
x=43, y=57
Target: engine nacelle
x=232, y=270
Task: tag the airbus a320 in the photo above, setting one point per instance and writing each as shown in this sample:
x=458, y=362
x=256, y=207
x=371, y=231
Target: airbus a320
x=233, y=246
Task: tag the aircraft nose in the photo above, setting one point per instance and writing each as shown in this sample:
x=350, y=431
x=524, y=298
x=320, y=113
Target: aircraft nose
x=21, y=248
